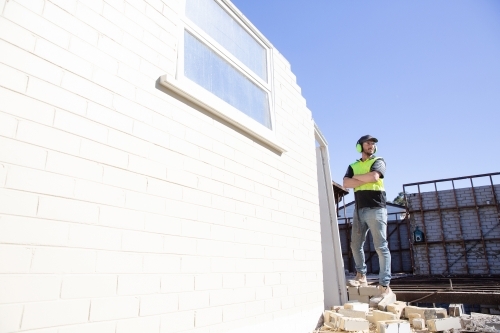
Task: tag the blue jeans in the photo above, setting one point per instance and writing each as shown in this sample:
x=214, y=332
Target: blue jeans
x=374, y=219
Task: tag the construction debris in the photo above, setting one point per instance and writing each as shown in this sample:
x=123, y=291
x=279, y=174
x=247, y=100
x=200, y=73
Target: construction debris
x=367, y=317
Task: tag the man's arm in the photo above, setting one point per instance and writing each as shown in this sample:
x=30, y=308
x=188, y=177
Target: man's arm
x=358, y=180
x=370, y=177
x=352, y=182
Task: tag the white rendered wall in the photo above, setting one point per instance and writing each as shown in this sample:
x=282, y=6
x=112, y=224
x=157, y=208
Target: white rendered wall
x=124, y=209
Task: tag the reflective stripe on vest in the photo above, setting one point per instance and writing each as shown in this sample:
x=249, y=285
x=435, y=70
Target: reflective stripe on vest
x=360, y=168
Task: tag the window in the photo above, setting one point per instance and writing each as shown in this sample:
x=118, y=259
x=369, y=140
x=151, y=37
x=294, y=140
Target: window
x=224, y=68
x=225, y=59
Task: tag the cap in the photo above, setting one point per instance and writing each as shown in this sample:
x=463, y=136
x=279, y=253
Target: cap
x=367, y=137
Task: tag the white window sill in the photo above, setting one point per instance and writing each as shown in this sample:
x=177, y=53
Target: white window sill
x=221, y=109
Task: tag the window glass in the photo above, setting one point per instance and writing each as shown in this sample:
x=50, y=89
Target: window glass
x=219, y=25
x=209, y=70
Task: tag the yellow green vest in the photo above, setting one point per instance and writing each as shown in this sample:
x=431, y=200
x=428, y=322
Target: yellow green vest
x=359, y=168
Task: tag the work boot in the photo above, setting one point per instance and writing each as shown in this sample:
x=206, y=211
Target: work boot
x=385, y=291
x=359, y=280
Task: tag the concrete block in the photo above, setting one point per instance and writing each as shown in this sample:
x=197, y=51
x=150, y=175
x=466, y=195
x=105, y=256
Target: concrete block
x=359, y=298
x=10, y=317
x=383, y=316
x=329, y=325
x=356, y=306
x=371, y=318
x=29, y=288
x=12, y=79
x=413, y=316
x=20, y=153
x=327, y=314
x=88, y=285
x=456, y=310
x=60, y=14
x=443, y=324
x=56, y=96
x=418, y=323
x=114, y=308
x=353, y=313
x=25, y=107
x=135, y=284
x=354, y=324
x=194, y=300
x=393, y=326
x=29, y=64
x=16, y=34
x=335, y=320
x=352, y=291
x=397, y=308
x=23, y=230
x=48, y=137
x=56, y=313
x=68, y=165
x=80, y=126
x=426, y=313
x=389, y=299
x=63, y=260
x=30, y=180
x=14, y=259
x=158, y=304
x=136, y=241
x=8, y=125
x=68, y=210
x=374, y=301
x=118, y=262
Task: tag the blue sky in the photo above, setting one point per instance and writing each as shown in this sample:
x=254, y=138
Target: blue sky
x=422, y=76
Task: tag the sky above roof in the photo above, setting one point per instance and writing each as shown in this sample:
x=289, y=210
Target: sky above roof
x=421, y=76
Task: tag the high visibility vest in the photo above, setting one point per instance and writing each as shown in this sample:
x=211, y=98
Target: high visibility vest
x=361, y=167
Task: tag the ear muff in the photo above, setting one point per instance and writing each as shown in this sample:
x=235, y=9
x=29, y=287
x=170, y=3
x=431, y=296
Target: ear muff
x=359, y=148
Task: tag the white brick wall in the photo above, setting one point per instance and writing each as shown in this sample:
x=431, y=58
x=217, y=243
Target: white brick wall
x=125, y=209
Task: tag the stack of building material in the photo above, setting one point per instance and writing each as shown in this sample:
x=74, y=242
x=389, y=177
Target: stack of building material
x=385, y=315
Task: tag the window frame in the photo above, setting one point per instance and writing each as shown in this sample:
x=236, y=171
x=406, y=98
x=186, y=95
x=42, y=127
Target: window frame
x=209, y=101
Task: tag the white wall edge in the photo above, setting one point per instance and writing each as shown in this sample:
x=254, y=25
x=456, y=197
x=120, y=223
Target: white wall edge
x=221, y=109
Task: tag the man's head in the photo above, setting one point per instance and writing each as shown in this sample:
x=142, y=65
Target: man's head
x=367, y=144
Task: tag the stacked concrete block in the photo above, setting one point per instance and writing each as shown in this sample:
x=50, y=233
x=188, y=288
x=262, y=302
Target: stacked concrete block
x=353, y=313
x=418, y=323
x=354, y=294
x=383, y=302
x=334, y=321
x=356, y=306
x=412, y=316
x=426, y=313
x=397, y=308
x=443, y=324
x=393, y=326
x=382, y=315
x=456, y=310
x=353, y=324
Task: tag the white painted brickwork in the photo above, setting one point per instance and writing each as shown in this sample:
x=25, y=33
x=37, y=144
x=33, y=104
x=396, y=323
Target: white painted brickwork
x=124, y=209
x=457, y=225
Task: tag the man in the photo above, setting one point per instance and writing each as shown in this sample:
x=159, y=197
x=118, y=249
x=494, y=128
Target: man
x=365, y=176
